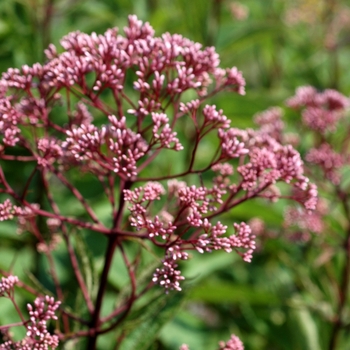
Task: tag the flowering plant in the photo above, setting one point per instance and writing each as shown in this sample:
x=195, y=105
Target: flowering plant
x=323, y=130
x=324, y=116
x=131, y=112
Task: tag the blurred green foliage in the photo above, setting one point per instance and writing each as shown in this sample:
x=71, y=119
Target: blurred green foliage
x=278, y=301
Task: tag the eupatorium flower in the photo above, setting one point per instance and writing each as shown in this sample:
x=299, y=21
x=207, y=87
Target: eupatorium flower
x=7, y=284
x=125, y=136
x=115, y=108
x=321, y=111
x=37, y=336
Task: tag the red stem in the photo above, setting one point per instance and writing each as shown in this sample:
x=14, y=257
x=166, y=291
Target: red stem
x=113, y=242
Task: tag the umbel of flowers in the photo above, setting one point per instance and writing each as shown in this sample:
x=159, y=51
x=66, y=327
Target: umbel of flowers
x=120, y=108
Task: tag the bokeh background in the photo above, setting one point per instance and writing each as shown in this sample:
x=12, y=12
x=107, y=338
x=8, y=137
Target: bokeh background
x=282, y=300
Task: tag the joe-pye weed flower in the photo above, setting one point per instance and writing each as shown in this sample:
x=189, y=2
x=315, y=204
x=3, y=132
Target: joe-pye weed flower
x=114, y=107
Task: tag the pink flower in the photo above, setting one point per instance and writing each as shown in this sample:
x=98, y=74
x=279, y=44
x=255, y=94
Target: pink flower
x=168, y=276
x=7, y=284
x=321, y=111
x=122, y=139
x=233, y=344
x=329, y=161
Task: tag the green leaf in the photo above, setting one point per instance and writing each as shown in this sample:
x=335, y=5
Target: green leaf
x=223, y=292
x=203, y=265
x=38, y=285
x=87, y=264
x=153, y=318
x=305, y=330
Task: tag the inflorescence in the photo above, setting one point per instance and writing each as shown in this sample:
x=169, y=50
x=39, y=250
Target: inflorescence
x=111, y=105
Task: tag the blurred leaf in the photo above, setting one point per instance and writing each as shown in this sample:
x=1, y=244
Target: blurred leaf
x=305, y=330
x=190, y=329
x=143, y=278
x=203, y=265
x=143, y=332
x=236, y=39
x=38, y=285
x=87, y=264
x=222, y=292
x=4, y=28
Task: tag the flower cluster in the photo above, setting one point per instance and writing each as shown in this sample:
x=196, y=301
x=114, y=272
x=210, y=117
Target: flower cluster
x=324, y=138
x=328, y=160
x=307, y=221
x=234, y=343
x=43, y=310
x=321, y=111
x=179, y=222
x=7, y=284
x=37, y=336
x=115, y=109
x=8, y=211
